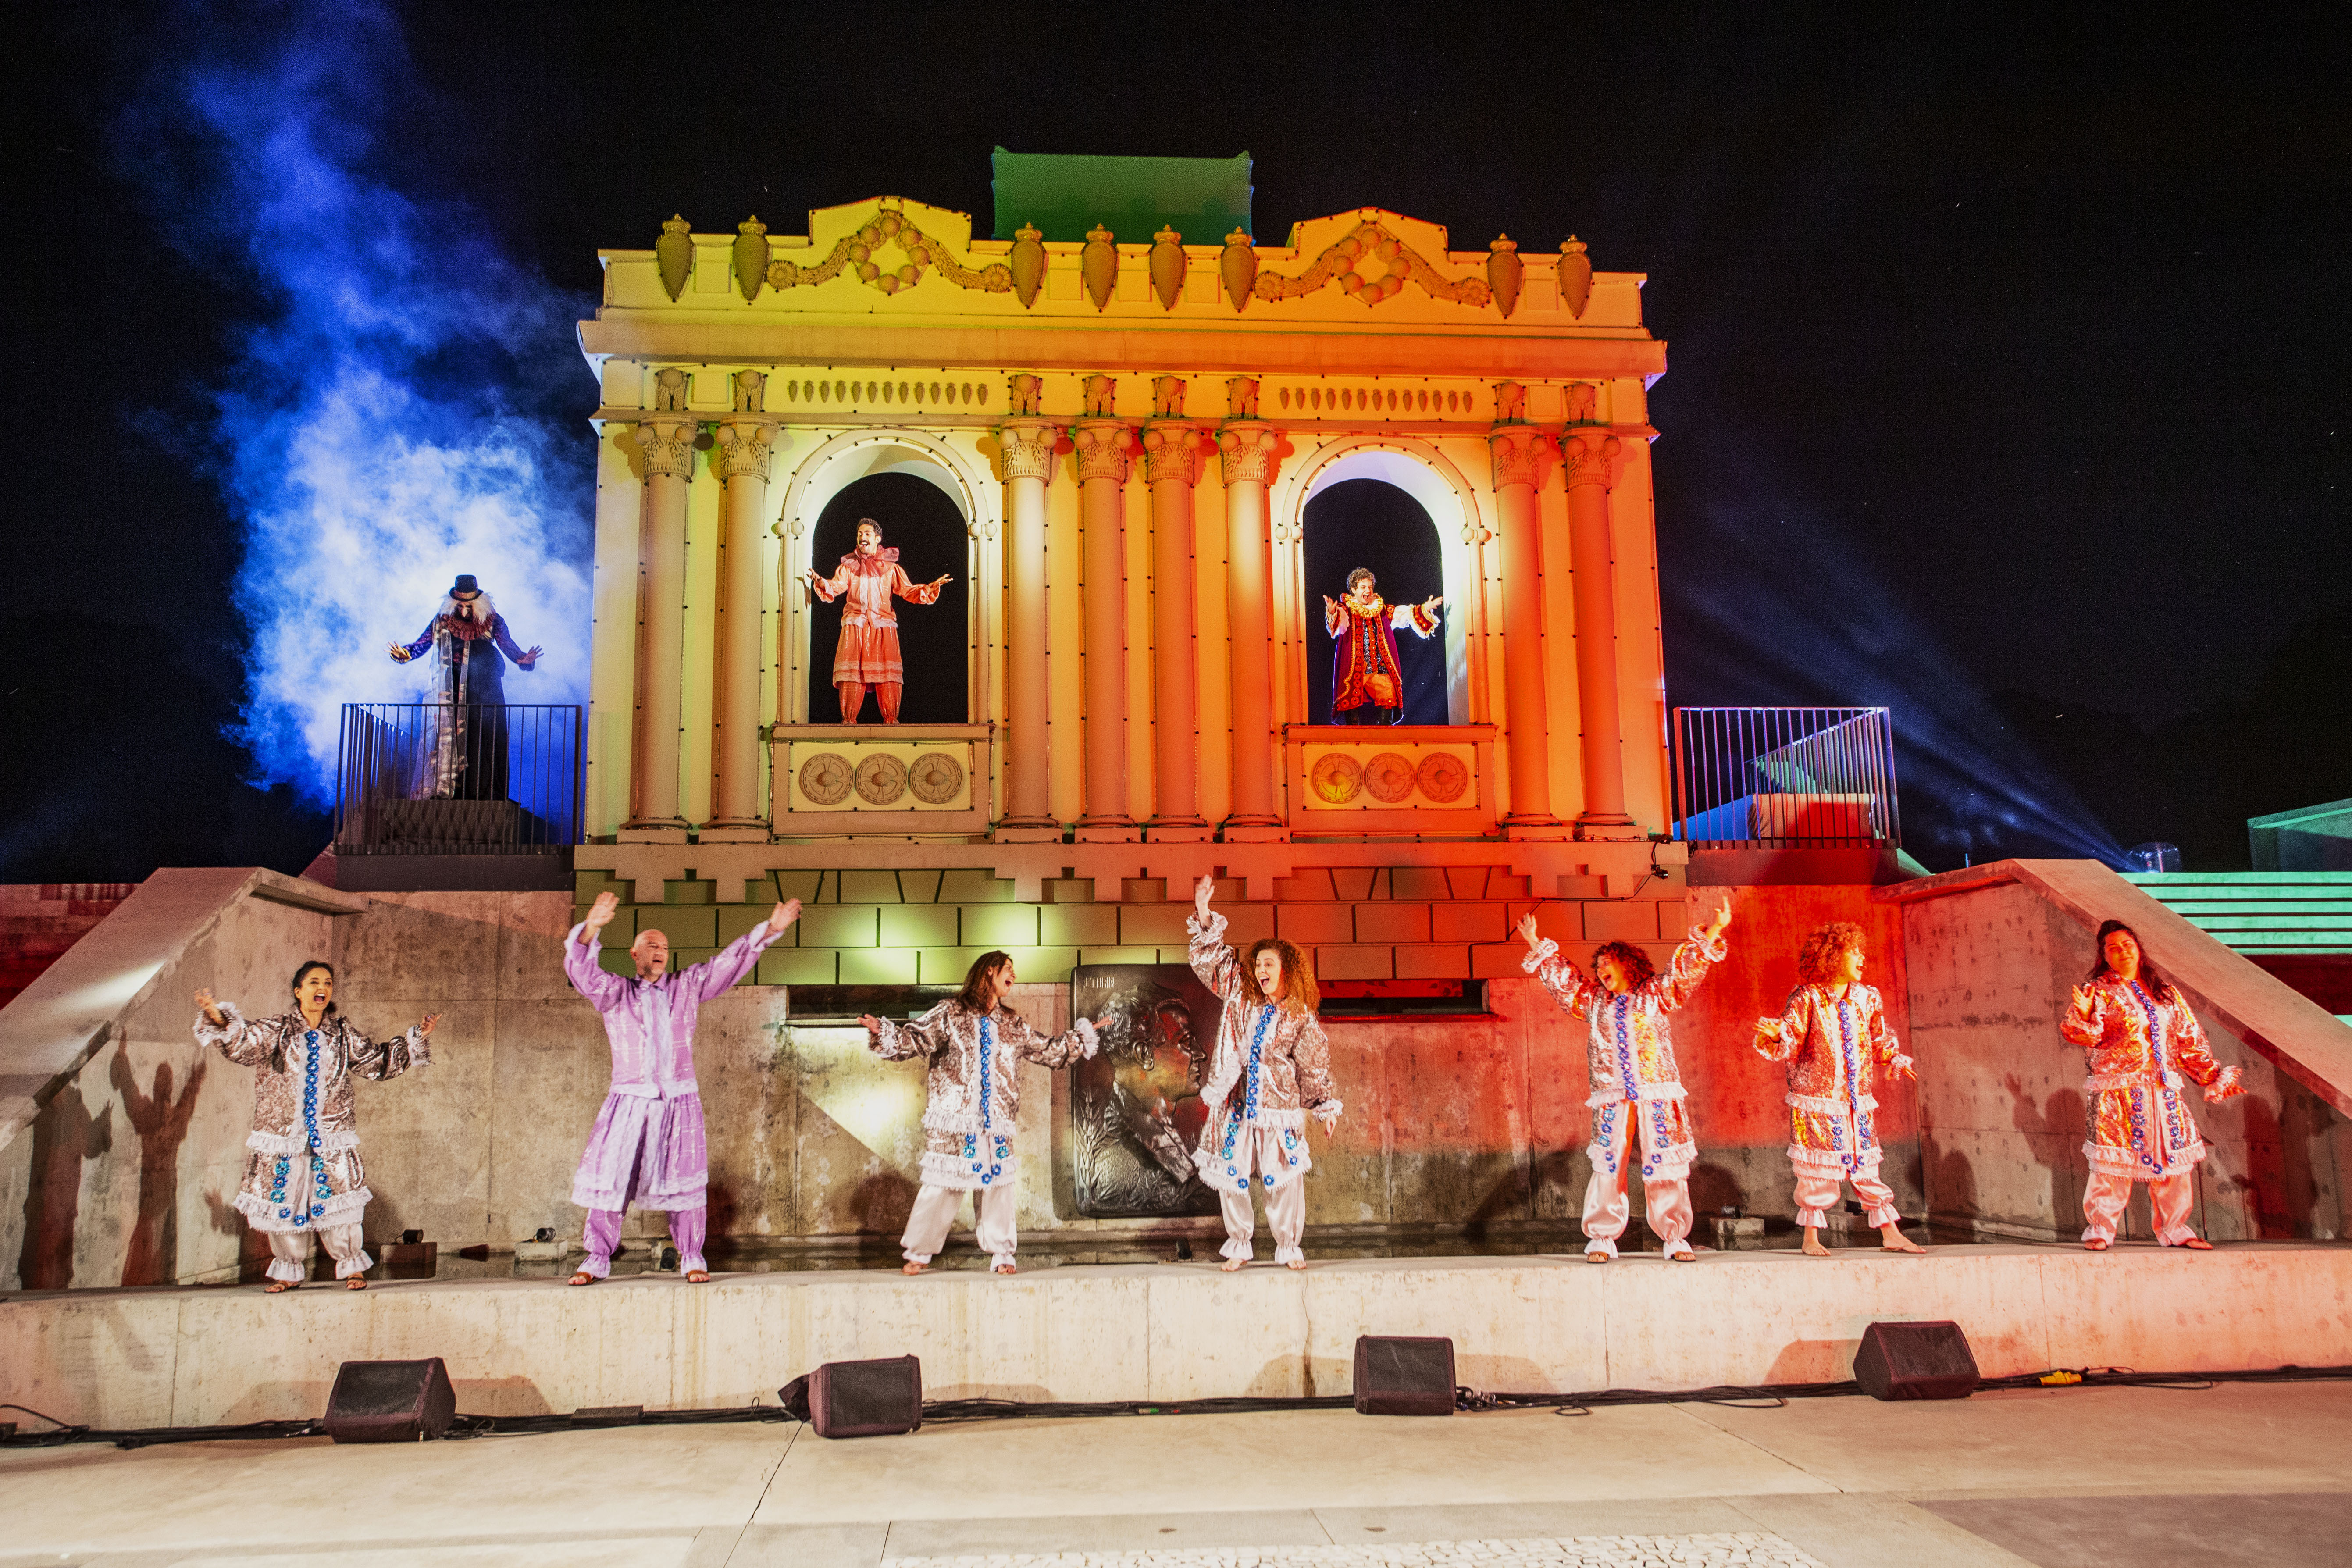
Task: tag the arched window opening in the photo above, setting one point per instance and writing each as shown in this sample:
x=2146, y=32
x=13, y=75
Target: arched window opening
x=1376, y=526
x=923, y=524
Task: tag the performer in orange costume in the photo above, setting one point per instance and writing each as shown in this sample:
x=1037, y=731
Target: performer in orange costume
x=1367, y=682
x=867, y=653
x=2143, y=1040
x=1833, y=1035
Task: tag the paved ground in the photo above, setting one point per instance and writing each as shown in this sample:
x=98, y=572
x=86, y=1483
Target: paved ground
x=2064, y=1478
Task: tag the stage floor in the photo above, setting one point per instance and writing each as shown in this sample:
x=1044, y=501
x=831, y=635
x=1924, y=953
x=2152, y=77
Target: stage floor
x=1171, y=1331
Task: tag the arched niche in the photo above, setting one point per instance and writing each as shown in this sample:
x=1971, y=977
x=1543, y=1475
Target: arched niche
x=931, y=537
x=818, y=492
x=1446, y=508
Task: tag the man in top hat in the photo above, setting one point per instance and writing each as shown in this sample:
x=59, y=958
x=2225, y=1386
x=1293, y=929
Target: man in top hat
x=471, y=644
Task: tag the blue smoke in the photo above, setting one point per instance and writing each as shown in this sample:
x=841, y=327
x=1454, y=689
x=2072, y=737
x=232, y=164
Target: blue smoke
x=377, y=433
x=1784, y=612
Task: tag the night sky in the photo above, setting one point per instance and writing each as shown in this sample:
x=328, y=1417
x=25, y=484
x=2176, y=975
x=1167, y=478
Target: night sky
x=2007, y=352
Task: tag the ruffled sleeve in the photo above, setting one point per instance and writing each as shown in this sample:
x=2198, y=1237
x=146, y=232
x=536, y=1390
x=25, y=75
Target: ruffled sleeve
x=1219, y=967
x=925, y=1036
x=1689, y=967
x=1570, y=989
x=241, y=1040
x=1777, y=1040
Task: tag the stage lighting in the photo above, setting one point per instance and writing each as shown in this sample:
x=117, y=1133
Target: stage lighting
x=2154, y=857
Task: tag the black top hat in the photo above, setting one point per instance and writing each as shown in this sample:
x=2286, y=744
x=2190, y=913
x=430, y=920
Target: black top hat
x=464, y=584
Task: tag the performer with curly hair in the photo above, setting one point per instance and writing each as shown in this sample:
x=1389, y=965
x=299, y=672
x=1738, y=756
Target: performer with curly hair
x=1271, y=1071
x=866, y=653
x=1833, y=1035
x=974, y=1043
x=2143, y=1040
x=1637, y=1091
x=303, y=1177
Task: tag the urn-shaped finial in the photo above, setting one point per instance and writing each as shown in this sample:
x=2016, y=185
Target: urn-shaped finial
x=674, y=255
x=1238, y=267
x=1575, y=276
x=1099, y=265
x=1167, y=266
x=750, y=258
x=1504, y=271
x=1028, y=263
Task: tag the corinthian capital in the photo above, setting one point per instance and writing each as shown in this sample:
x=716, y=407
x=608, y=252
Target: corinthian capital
x=1172, y=450
x=1103, y=447
x=745, y=449
x=1250, y=453
x=1593, y=459
x=1523, y=455
x=1026, y=447
x=668, y=446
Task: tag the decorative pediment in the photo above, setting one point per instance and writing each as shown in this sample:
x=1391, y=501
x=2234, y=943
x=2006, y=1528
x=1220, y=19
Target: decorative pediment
x=1373, y=261
x=890, y=252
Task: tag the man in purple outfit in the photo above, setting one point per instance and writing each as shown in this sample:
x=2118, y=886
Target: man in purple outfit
x=649, y=1146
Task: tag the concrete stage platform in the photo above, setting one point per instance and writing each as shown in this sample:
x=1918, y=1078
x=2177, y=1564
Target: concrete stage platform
x=1172, y=1331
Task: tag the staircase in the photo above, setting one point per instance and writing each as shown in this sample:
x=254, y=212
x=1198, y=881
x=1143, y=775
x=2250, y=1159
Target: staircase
x=2296, y=924
x=39, y=921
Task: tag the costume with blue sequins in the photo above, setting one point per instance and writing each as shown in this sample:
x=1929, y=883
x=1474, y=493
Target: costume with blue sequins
x=1271, y=1070
x=974, y=1086
x=1834, y=1045
x=302, y=1171
x=2141, y=1050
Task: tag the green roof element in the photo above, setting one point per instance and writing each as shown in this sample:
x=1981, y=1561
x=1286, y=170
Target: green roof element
x=1203, y=199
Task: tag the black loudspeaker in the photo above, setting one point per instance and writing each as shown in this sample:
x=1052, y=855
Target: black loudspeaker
x=390, y=1402
x=858, y=1398
x=1403, y=1376
x=1916, y=1361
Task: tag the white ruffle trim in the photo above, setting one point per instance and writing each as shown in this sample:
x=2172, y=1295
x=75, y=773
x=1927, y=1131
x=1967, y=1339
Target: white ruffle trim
x=1546, y=950
x=956, y=1173
x=291, y=1144
x=1829, y=1162
x=340, y=1209
x=2128, y=1163
x=1832, y=1105
x=1648, y=1093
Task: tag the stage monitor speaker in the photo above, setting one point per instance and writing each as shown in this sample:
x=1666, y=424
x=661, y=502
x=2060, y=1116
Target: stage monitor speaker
x=858, y=1398
x=390, y=1402
x=1403, y=1376
x=1916, y=1361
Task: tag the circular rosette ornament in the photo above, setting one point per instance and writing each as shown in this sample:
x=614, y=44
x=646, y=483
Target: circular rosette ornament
x=826, y=779
x=935, y=778
x=1336, y=778
x=1372, y=264
x=1389, y=777
x=881, y=779
x=1442, y=777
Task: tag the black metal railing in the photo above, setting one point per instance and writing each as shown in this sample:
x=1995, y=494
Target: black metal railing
x=459, y=778
x=1785, y=777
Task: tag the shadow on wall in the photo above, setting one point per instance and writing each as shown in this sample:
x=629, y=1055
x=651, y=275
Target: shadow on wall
x=161, y=1121
x=64, y=1136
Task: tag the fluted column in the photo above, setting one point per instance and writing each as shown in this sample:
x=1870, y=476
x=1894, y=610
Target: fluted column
x=1593, y=459
x=668, y=446
x=1025, y=449
x=1171, y=465
x=744, y=453
x=1523, y=455
x=1104, y=448
x=1249, y=452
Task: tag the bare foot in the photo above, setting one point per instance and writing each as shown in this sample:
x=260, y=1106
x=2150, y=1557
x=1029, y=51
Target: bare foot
x=276, y=1287
x=1892, y=1237
x=356, y=1283
x=1596, y=1257
x=697, y=1277
x=1002, y=1268
x=2094, y=1244
x=2197, y=1244
x=1231, y=1265
x=1299, y=1264
x=1813, y=1247
x=914, y=1268
x=1682, y=1255
x=583, y=1278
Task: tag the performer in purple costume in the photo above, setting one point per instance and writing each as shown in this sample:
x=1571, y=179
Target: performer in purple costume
x=649, y=1146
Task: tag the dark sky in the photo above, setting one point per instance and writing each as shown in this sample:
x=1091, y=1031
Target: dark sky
x=2007, y=349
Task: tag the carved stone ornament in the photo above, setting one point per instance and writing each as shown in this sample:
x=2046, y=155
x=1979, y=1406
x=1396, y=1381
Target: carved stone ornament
x=1168, y=396
x=1336, y=778
x=1022, y=394
x=1099, y=265
x=1575, y=276
x=1238, y=267
x=751, y=391
x=1104, y=450
x=1523, y=455
x=1028, y=264
x=1583, y=396
x=750, y=258
x=1593, y=459
x=745, y=450
x=881, y=779
x=674, y=255
x=1510, y=402
x=669, y=390
x=1100, y=392
x=1349, y=263
x=1172, y=451
x=1249, y=453
x=935, y=778
x=826, y=779
x=1241, y=397
x=861, y=255
x=1166, y=266
x=1443, y=777
x=668, y=445
x=1027, y=450
x=1504, y=272
x=1389, y=777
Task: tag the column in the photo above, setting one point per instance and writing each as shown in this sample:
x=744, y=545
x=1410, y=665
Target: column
x=1592, y=460
x=1171, y=465
x=668, y=446
x=745, y=450
x=1026, y=448
x=1103, y=450
x=1522, y=456
x=1250, y=452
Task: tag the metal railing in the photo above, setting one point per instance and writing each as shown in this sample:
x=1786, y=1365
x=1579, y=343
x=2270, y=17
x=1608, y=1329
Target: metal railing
x=459, y=778
x=1785, y=777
